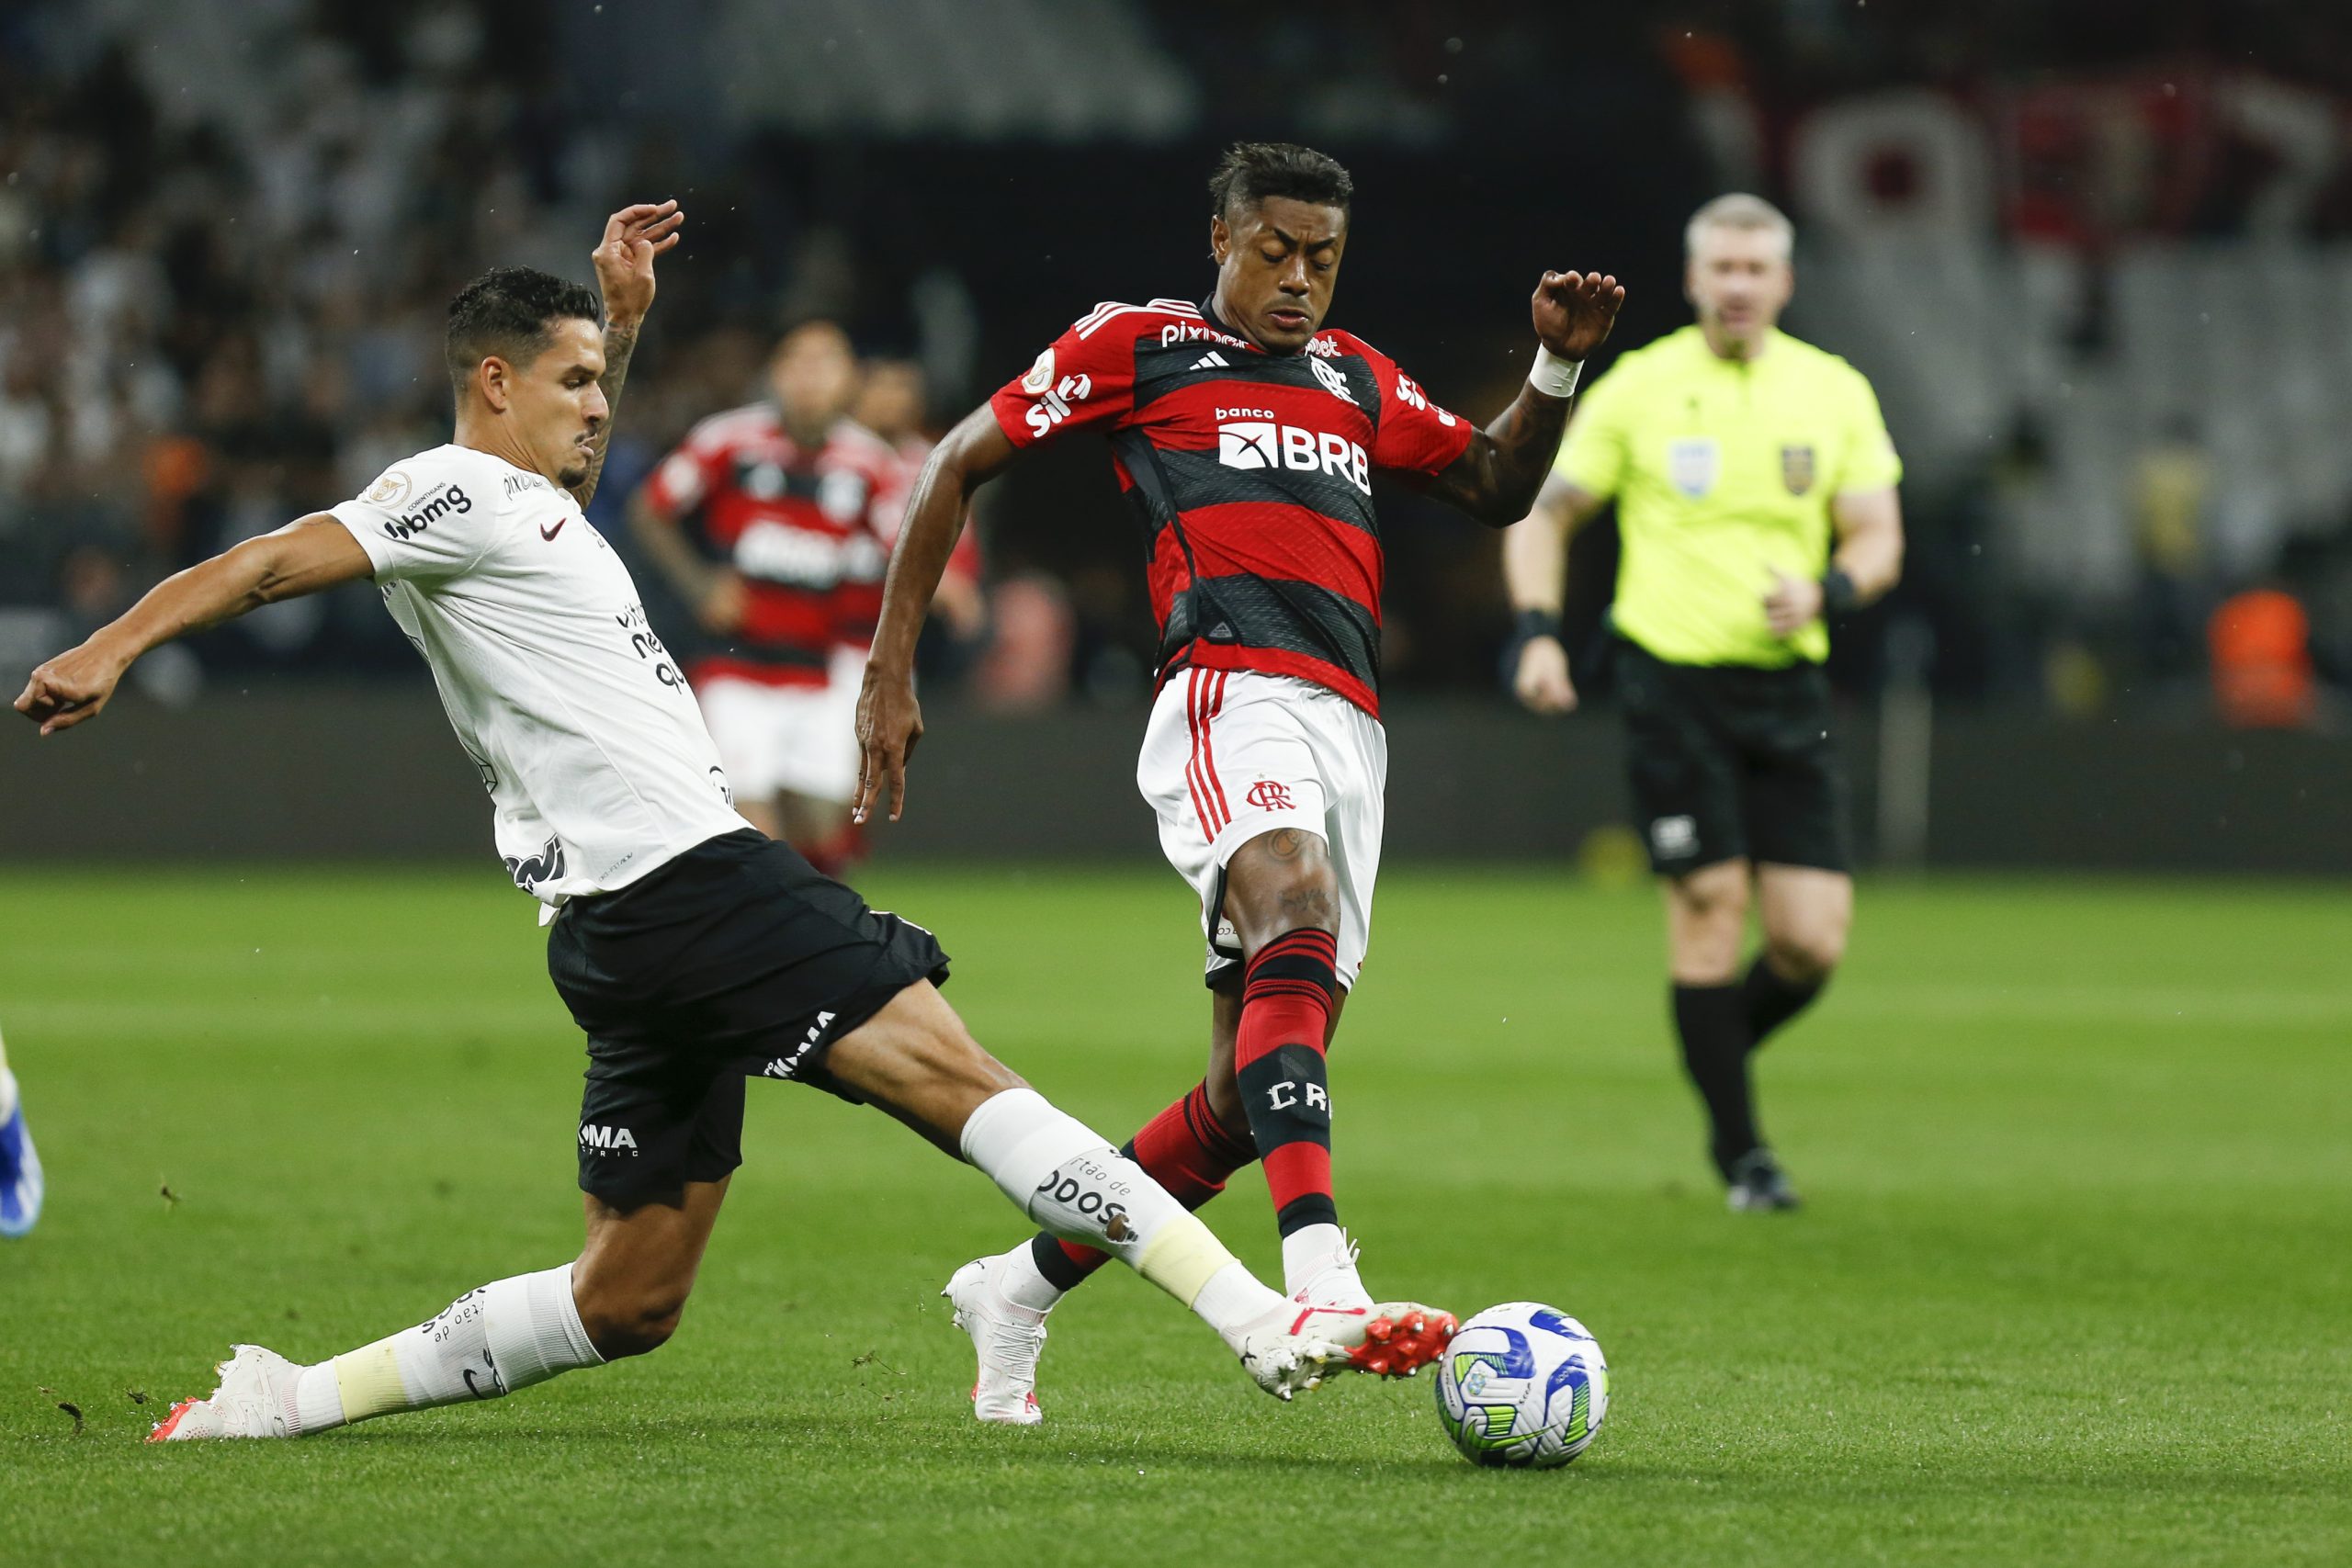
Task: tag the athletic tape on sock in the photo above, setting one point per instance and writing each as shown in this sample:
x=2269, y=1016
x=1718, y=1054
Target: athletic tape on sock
x=1181, y=1257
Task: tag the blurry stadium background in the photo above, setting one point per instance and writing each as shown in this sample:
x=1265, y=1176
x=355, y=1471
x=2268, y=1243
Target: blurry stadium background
x=2096, y=255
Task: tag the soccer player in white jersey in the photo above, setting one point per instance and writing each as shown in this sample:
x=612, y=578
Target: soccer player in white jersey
x=691, y=949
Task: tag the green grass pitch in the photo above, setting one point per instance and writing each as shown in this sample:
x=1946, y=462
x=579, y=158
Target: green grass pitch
x=2075, y=1284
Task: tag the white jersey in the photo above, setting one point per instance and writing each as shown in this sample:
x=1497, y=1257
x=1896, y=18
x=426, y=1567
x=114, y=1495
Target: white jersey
x=597, y=763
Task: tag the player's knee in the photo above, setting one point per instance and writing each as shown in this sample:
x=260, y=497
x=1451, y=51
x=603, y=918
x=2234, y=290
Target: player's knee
x=1281, y=881
x=630, y=1319
x=1807, y=956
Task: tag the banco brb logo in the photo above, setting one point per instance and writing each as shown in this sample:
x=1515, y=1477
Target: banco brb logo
x=1264, y=443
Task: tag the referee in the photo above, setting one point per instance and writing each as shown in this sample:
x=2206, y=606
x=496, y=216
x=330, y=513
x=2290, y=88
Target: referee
x=1755, y=490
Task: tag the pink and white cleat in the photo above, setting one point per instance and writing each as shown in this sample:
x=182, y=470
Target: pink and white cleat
x=1008, y=1338
x=254, y=1399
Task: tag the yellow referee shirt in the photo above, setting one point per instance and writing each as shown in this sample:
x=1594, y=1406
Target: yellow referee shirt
x=1722, y=470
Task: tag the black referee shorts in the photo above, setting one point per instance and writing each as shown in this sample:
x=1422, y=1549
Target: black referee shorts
x=1728, y=761
x=737, y=959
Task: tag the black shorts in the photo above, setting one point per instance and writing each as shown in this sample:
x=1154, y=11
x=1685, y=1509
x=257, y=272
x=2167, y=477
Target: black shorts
x=1729, y=761
x=737, y=959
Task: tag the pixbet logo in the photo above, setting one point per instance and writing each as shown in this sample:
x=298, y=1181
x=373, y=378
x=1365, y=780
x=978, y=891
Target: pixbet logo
x=1263, y=442
x=1053, y=405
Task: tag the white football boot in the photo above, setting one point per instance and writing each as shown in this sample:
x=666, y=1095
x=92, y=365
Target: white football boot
x=1008, y=1337
x=1389, y=1340
x=254, y=1399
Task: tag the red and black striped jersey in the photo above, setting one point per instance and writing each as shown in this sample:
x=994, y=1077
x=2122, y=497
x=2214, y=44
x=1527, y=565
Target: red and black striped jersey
x=1251, y=474
x=797, y=523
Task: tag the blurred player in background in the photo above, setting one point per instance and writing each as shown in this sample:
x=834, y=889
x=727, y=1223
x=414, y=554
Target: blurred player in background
x=1754, y=489
x=892, y=402
x=765, y=521
x=1245, y=437
x=691, y=950
x=20, y=1177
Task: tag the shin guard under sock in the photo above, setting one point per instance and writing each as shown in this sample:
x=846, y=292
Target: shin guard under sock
x=1278, y=1056
x=1184, y=1148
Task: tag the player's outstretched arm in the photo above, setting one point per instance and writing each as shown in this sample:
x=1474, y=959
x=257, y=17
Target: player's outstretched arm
x=889, y=720
x=1496, y=479
x=305, y=556
x=633, y=237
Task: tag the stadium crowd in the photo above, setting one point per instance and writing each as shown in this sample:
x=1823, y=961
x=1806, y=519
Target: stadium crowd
x=213, y=319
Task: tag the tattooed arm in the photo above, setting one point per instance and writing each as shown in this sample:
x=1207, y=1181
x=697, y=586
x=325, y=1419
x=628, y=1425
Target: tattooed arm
x=633, y=237
x=620, y=342
x=1498, y=475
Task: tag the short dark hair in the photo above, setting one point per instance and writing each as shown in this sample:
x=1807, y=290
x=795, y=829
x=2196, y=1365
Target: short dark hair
x=1251, y=171
x=510, y=311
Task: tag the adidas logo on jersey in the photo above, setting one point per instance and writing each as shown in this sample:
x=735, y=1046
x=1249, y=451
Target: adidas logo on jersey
x=1212, y=360
x=1264, y=444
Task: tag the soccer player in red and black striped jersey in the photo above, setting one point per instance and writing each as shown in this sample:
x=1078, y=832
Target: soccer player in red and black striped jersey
x=1245, y=434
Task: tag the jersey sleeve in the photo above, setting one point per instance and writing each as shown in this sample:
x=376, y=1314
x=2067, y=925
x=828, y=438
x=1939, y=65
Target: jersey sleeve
x=1871, y=461
x=425, y=518
x=1085, y=378
x=1414, y=436
x=1592, y=454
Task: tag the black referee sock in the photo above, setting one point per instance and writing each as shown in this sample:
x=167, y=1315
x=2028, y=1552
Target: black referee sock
x=1713, y=1021
x=1772, y=1000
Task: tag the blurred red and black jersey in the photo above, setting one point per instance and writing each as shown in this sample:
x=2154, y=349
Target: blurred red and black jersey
x=1251, y=474
x=797, y=523
x=860, y=606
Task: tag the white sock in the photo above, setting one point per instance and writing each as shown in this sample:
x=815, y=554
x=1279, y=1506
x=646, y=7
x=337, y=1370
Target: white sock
x=505, y=1336
x=1310, y=1250
x=7, y=1092
x=1071, y=1180
x=1023, y=1285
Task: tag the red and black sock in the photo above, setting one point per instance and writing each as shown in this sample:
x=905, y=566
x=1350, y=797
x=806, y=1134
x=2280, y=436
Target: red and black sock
x=1184, y=1148
x=1278, y=1056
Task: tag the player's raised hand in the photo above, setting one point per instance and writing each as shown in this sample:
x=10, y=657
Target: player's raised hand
x=70, y=688
x=633, y=237
x=1574, y=311
x=889, y=722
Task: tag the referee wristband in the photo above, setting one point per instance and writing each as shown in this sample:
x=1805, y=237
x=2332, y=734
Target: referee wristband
x=1552, y=376
x=1533, y=624
x=1839, y=595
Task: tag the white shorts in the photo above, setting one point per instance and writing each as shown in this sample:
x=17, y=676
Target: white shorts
x=1229, y=755
x=774, y=739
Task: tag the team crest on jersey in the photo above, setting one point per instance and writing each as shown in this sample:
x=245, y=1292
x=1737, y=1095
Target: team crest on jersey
x=1692, y=464
x=1796, y=468
x=1041, y=374
x=1333, y=382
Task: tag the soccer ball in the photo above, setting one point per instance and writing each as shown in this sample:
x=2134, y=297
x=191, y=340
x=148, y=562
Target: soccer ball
x=1523, y=1385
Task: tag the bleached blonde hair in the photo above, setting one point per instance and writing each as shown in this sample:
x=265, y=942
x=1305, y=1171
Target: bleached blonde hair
x=1741, y=210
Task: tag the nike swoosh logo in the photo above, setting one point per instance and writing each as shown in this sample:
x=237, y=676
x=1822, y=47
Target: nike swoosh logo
x=551, y=533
